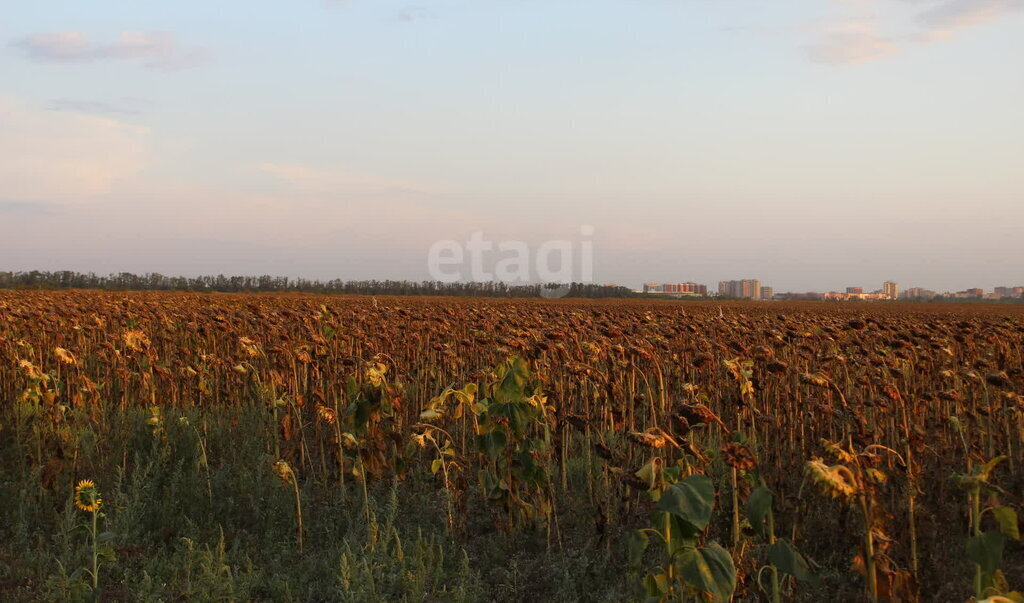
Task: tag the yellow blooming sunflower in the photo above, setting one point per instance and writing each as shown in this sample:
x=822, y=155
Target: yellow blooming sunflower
x=87, y=496
x=375, y=373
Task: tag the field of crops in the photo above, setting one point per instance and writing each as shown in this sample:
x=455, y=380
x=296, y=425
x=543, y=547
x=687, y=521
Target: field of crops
x=161, y=446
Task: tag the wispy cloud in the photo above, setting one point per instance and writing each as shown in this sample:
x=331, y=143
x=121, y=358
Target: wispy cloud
x=311, y=180
x=22, y=207
x=156, y=50
x=411, y=13
x=91, y=107
x=65, y=157
x=941, y=21
x=855, y=36
x=851, y=42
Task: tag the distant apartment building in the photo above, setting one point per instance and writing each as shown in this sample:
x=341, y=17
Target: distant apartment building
x=767, y=293
x=676, y=289
x=889, y=290
x=918, y=293
x=745, y=289
x=1009, y=292
x=694, y=288
x=837, y=296
x=974, y=293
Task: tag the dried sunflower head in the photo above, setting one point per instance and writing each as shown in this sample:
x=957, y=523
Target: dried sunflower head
x=836, y=481
x=250, y=347
x=738, y=457
x=375, y=373
x=65, y=356
x=284, y=472
x=326, y=414
x=31, y=370
x=136, y=341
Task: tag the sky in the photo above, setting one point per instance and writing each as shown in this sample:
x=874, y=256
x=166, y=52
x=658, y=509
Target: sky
x=811, y=144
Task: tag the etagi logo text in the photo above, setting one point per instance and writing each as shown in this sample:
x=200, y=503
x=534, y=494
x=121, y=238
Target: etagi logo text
x=479, y=259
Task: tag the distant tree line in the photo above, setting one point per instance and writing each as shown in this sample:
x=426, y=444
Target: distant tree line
x=124, y=281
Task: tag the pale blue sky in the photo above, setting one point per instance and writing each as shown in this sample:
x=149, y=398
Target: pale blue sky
x=809, y=144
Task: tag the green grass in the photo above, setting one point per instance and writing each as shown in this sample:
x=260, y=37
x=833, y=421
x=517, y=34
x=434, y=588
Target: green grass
x=226, y=530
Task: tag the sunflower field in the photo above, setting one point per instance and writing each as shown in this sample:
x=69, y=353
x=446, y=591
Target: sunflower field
x=178, y=446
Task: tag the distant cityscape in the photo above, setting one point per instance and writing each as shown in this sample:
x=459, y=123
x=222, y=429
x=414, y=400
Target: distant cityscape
x=753, y=289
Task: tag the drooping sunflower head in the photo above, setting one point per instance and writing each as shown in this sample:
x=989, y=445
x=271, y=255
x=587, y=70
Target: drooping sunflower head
x=837, y=481
x=326, y=414
x=65, y=356
x=87, y=496
x=283, y=471
x=31, y=371
x=739, y=457
x=136, y=341
x=375, y=372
